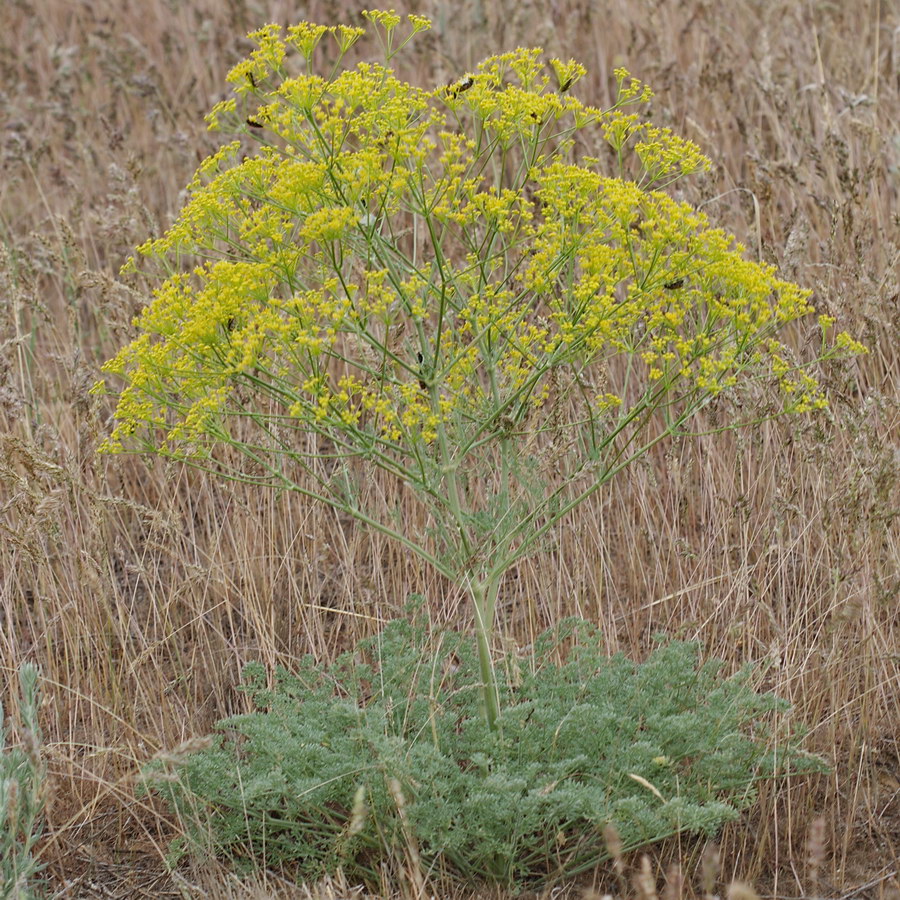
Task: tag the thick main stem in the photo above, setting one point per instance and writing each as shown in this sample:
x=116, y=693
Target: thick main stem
x=484, y=595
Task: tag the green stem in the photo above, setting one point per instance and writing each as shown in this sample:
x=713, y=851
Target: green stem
x=484, y=616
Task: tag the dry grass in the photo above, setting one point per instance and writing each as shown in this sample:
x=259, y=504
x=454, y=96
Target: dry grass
x=140, y=589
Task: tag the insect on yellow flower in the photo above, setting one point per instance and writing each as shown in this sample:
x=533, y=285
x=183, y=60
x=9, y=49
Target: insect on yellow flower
x=460, y=87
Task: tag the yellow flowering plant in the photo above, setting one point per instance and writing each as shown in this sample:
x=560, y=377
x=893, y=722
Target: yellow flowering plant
x=441, y=285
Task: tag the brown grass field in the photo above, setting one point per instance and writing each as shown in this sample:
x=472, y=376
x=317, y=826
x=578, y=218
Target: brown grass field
x=140, y=588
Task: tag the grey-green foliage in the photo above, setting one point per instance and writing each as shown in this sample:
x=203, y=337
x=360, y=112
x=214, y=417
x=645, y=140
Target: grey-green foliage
x=22, y=794
x=579, y=745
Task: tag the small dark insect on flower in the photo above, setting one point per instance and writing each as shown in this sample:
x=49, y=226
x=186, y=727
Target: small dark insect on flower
x=565, y=85
x=253, y=123
x=460, y=87
x=251, y=79
x=674, y=285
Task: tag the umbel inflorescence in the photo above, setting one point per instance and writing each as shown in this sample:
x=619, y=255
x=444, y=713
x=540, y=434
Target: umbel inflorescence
x=383, y=231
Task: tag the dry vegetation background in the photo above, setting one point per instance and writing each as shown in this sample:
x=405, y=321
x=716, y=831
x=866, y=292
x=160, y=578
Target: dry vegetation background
x=140, y=588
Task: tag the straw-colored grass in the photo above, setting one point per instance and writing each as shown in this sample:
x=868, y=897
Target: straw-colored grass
x=140, y=588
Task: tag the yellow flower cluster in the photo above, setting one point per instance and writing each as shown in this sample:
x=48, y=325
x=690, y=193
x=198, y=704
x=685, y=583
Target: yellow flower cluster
x=397, y=267
x=328, y=224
